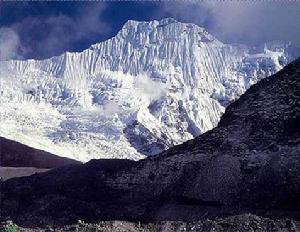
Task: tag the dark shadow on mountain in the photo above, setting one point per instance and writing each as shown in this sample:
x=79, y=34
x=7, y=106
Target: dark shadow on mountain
x=144, y=141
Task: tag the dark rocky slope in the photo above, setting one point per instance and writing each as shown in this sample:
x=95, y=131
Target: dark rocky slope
x=249, y=163
x=12, y=172
x=240, y=223
x=14, y=154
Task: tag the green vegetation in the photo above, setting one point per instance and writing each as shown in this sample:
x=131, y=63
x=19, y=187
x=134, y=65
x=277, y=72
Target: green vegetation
x=9, y=227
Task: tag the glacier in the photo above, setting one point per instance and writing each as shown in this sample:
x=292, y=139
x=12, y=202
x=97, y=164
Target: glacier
x=152, y=86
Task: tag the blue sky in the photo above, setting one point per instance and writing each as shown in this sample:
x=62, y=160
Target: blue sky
x=44, y=29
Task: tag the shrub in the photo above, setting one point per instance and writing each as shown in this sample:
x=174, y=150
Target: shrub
x=10, y=228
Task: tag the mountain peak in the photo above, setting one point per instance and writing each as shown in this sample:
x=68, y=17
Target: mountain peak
x=163, y=21
x=168, y=21
x=182, y=77
x=169, y=26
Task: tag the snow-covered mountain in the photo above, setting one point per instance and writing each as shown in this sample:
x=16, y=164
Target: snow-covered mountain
x=248, y=163
x=154, y=85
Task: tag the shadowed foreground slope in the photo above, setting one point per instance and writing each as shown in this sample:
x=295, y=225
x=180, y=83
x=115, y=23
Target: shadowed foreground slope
x=249, y=163
x=241, y=223
x=14, y=154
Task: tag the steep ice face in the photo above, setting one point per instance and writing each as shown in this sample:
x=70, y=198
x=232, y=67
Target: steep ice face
x=155, y=84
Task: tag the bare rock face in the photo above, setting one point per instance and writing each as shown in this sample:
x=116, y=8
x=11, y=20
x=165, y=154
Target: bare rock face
x=249, y=163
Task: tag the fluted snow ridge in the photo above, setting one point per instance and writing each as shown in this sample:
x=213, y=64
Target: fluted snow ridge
x=155, y=84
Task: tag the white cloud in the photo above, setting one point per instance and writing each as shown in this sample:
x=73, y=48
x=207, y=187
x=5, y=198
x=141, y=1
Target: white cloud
x=59, y=33
x=9, y=43
x=250, y=22
x=110, y=108
x=149, y=88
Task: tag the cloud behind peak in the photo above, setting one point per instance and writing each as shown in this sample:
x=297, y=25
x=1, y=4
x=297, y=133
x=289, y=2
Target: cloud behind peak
x=51, y=28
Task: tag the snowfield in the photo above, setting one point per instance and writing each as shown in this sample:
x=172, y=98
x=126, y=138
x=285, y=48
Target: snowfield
x=152, y=86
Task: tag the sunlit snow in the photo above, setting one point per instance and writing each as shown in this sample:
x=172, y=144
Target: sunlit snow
x=155, y=84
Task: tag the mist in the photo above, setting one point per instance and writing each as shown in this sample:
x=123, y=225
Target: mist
x=50, y=35
x=57, y=29
x=246, y=22
x=9, y=44
x=149, y=88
